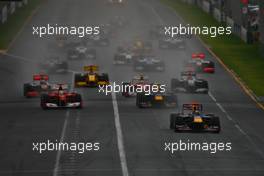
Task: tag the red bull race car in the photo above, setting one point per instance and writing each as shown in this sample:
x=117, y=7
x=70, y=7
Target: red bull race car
x=156, y=99
x=192, y=118
x=60, y=97
x=37, y=86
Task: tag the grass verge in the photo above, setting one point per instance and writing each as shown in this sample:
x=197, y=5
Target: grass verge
x=244, y=59
x=11, y=27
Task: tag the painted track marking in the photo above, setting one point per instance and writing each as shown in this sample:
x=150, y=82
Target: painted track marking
x=120, y=142
x=58, y=156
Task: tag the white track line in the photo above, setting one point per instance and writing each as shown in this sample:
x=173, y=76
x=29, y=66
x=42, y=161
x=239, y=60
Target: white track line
x=120, y=142
x=238, y=127
x=161, y=21
x=58, y=156
x=221, y=107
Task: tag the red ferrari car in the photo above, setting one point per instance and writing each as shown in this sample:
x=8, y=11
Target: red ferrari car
x=60, y=97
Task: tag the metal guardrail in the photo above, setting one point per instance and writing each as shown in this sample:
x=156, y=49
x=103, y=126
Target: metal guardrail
x=8, y=8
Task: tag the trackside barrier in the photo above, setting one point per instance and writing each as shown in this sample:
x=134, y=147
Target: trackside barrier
x=10, y=9
x=243, y=34
x=236, y=29
x=217, y=14
x=3, y=14
x=230, y=23
x=206, y=6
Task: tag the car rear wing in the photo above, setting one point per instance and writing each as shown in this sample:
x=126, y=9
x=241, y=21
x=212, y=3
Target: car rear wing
x=188, y=73
x=90, y=68
x=40, y=77
x=60, y=87
x=192, y=107
x=198, y=56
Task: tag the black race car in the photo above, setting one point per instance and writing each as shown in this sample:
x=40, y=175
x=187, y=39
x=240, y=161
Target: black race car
x=148, y=63
x=192, y=118
x=199, y=64
x=171, y=43
x=123, y=56
x=60, y=98
x=100, y=40
x=39, y=85
x=121, y=2
x=158, y=99
x=54, y=65
x=79, y=50
x=189, y=83
x=140, y=47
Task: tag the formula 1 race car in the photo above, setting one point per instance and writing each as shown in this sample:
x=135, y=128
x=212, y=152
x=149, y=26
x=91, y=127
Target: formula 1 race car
x=137, y=81
x=192, y=118
x=91, y=78
x=140, y=47
x=54, y=65
x=123, y=56
x=39, y=85
x=80, y=51
x=148, y=63
x=157, y=99
x=60, y=98
x=200, y=65
x=171, y=43
x=98, y=40
x=121, y=2
x=189, y=83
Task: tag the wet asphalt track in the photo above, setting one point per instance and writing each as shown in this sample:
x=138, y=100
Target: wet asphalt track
x=144, y=130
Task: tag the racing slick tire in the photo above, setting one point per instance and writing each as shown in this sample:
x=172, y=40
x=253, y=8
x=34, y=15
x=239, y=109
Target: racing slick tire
x=216, y=122
x=139, y=100
x=78, y=77
x=44, y=98
x=175, y=119
x=174, y=83
x=26, y=89
x=104, y=77
x=78, y=98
